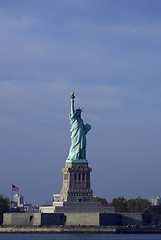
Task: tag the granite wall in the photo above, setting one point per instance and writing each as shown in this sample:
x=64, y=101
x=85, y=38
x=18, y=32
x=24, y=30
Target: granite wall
x=82, y=219
x=34, y=219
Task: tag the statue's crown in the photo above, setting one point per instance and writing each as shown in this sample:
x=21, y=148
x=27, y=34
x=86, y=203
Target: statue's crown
x=79, y=110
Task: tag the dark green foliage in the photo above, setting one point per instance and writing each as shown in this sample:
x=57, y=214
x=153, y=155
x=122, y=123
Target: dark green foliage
x=131, y=205
x=120, y=204
x=126, y=206
x=4, y=206
x=137, y=205
x=101, y=200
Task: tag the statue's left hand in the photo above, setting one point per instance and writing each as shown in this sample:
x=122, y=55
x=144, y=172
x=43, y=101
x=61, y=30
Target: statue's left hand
x=87, y=128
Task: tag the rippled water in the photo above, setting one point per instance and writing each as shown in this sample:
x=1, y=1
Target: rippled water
x=42, y=236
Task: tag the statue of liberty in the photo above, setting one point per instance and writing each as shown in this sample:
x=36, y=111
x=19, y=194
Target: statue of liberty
x=77, y=152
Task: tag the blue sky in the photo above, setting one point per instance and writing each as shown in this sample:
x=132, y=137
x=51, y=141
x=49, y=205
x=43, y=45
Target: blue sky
x=109, y=53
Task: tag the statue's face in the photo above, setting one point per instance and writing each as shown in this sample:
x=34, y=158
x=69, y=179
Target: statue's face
x=78, y=113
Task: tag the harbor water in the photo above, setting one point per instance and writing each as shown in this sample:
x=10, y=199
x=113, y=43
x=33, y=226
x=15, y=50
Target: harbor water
x=54, y=236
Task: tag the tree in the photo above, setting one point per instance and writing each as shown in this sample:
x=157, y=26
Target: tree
x=131, y=205
x=4, y=206
x=102, y=201
x=120, y=204
x=123, y=205
x=137, y=205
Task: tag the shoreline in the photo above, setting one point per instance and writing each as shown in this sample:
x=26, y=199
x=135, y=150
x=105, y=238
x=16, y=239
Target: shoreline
x=79, y=229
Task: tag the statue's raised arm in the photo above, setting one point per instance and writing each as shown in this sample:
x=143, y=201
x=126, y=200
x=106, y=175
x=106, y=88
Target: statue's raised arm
x=72, y=103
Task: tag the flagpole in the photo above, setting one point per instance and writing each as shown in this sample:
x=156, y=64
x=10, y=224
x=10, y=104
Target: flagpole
x=12, y=198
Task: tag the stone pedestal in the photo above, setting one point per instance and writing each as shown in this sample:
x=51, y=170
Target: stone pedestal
x=83, y=207
x=76, y=183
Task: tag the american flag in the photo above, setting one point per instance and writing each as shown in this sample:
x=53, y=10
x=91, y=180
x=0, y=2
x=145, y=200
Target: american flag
x=14, y=188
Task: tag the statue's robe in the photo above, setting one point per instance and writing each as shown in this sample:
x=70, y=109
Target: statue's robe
x=78, y=138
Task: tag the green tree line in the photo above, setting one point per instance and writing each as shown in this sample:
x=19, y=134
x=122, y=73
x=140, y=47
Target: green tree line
x=126, y=206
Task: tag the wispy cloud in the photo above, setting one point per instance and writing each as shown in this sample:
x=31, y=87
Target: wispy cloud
x=96, y=50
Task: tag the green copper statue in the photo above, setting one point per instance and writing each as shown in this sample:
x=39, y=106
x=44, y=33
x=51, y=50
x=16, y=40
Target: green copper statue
x=79, y=130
